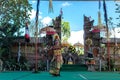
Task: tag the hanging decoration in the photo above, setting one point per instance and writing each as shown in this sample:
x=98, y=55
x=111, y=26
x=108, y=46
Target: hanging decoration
x=50, y=6
x=100, y=26
x=19, y=53
x=27, y=36
x=99, y=16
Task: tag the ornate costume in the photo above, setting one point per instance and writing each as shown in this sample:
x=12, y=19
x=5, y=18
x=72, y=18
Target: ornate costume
x=57, y=60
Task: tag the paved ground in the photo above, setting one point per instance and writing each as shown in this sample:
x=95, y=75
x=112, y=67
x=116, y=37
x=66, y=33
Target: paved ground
x=20, y=75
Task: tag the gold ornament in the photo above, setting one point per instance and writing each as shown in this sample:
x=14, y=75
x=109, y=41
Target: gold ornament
x=89, y=41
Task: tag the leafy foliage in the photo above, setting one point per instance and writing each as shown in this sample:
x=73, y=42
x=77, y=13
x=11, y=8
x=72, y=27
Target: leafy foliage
x=117, y=11
x=65, y=30
x=13, y=15
x=71, y=49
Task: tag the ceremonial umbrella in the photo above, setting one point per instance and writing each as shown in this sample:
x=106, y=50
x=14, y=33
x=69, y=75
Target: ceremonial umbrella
x=78, y=45
x=48, y=30
x=65, y=44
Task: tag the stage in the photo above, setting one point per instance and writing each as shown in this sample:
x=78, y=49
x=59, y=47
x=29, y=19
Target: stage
x=65, y=75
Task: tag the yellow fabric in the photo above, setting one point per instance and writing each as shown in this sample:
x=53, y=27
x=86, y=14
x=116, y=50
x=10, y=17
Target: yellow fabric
x=57, y=62
x=57, y=52
x=70, y=62
x=54, y=71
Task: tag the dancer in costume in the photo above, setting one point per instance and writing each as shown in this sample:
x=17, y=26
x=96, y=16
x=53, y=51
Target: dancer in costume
x=57, y=60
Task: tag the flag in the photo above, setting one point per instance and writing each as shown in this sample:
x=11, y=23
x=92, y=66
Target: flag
x=19, y=53
x=27, y=36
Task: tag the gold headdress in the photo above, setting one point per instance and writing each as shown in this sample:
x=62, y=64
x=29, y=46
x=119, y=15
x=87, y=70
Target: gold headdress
x=56, y=36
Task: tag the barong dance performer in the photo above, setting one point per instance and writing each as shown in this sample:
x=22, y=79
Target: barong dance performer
x=57, y=59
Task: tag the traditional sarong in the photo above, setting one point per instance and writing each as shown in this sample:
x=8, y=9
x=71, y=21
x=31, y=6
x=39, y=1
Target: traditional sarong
x=56, y=63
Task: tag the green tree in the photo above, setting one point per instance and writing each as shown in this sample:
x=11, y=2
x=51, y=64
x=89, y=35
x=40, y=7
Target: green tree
x=32, y=27
x=117, y=11
x=13, y=16
x=65, y=30
x=71, y=49
x=14, y=12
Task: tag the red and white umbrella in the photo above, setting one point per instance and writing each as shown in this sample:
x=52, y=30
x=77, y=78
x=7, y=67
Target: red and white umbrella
x=48, y=30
